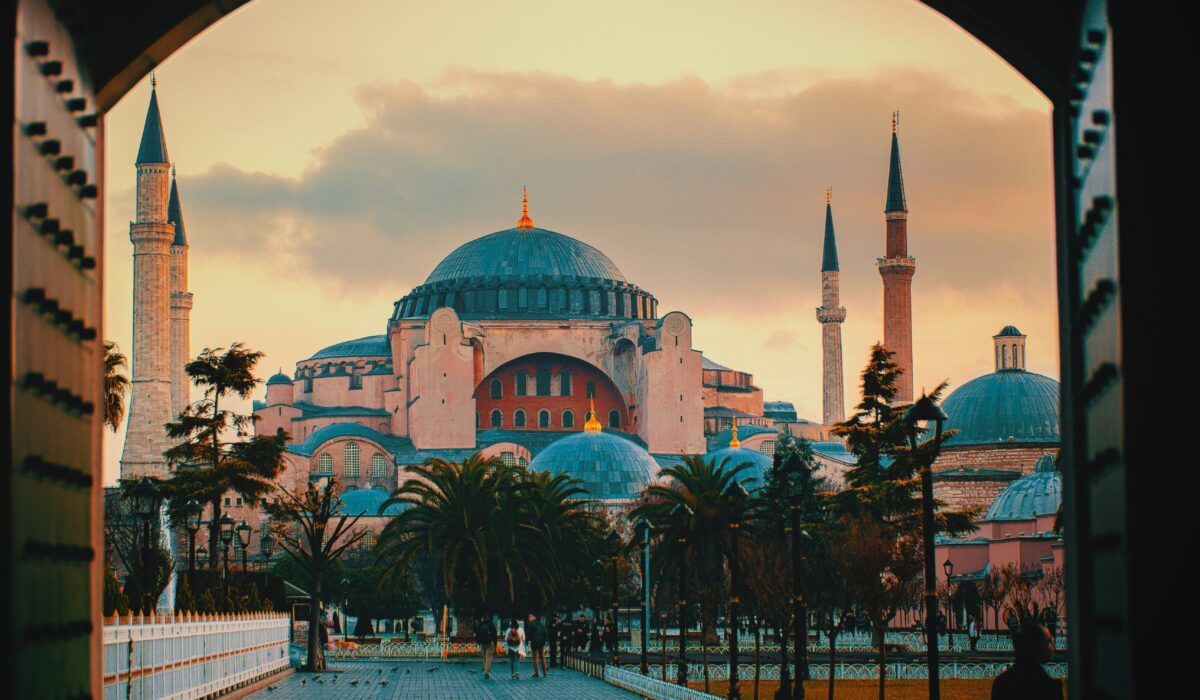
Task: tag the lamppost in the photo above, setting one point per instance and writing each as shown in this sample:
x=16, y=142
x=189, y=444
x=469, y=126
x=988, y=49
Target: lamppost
x=266, y=547
x=643, y=530
x=799, y=605
x=924, y=411
x=243, y=535
x=192, y=512
x=614, y=548
x=948, y=568
x=146, y=501
x=737, y=494
x=682, y=514
x=202, y=556
x=225, y=532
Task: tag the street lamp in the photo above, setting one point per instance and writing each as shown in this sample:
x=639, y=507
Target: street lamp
x=243, y=535
x=737, y=494
x=682, y=514
x=924, y=411
x=202, y=555
x=794, y=465
x=146, y=501
x=614, y=548
x=643, y=530
x=948, y=569
x=266, y=547
x=225, y=532
x=192, y=512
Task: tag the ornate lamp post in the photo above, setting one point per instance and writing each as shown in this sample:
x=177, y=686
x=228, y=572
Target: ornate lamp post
x=736, y=493
x=192, y=512
x=243, y=535
x=924, y=411
x=225, y=532
x=202, y=555
x=682, y=515
x=799, y=605
x=643, y=531
x=266, y=547
x=146, y=501
x=614, y=548
x=948, y=569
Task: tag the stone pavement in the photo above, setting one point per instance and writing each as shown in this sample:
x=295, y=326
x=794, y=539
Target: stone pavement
x=448, y=680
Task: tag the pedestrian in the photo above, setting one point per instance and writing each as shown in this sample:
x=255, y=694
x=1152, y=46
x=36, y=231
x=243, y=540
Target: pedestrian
x=1026, y=679
x=610, y=635
x=973, y=632
x=485, y=636
x=514, y=642
x=535, y=634
x=579, y=634
x=594, y=642
x=554, y=631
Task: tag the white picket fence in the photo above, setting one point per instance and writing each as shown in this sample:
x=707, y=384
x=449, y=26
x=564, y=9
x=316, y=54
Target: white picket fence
x=191, y=656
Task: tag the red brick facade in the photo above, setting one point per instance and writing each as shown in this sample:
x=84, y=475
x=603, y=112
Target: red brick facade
x=552, y=398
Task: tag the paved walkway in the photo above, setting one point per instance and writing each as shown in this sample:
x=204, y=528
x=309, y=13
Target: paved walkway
x=438, y=681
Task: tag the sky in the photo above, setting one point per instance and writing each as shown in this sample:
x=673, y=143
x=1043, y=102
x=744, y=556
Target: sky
x=329, y=155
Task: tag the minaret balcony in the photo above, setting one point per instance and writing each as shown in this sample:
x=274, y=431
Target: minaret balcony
x=826, y=314
x=906, y=265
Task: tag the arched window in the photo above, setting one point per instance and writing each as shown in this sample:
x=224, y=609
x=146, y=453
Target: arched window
x=521, y=378
x=614, y=419
x=496, y=420
x=497, y=389
x=767, y=447
x=594, y=302
x=1015, y=363
x=543, y=418
x=568, y=420
x=509, y=459
x=378, y=466
x=368, y=539
x=1004, y=357
x=350, y=460
x=564, y=384
x=503, y=298
x=591, y=390
x=519, y=418
x=541, y=297
x=522, y=462
x=522, y=298
x=576, y=300
x=325, y=464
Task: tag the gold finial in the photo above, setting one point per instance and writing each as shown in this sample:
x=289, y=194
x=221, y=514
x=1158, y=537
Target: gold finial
x=153, y=81
x=895, y=121
x=592, y=425
x=525, y=221
x=172, y=171
x=828, y=192
x=733, y=441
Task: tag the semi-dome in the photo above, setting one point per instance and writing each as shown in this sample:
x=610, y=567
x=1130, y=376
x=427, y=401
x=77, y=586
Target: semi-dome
x=1039, y=493
x=527, y=272
x=1004, y=407
x=611, y=467
x=759, y=465
x=367, y=502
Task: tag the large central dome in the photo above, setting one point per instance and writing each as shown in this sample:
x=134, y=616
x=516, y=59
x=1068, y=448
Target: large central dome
x=528, y=273
x=518, y=252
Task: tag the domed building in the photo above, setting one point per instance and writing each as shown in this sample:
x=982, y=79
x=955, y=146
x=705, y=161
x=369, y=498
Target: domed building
x=1005, y=420
x=612, y=468
x=758, y=464
x=502, y=349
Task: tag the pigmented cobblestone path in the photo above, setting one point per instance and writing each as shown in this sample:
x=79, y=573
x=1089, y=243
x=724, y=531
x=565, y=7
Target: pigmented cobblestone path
x=446, y=681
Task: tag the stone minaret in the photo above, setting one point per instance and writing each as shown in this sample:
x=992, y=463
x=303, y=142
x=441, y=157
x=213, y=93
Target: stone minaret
x=181, y=305
x=152, y=233
x=831, y=315
x=897, y=269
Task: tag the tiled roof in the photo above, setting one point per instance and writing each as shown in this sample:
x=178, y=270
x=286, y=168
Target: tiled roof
x=309, y=410
x=706, y=363
x=525, y=251
x=1002, y=407
x=370, y=346
x=610, y=466
x=753, y=476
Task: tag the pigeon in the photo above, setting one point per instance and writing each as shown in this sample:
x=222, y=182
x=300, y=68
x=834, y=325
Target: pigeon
x=304, y=682
x=431, y=669
x=321, y=681
x=354, y=682
x=271, y=688
x=381, y=671
x=407, y=671
x=395, y=668
x=383, y=682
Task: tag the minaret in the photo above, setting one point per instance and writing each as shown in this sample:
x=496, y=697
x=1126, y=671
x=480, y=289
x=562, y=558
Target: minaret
x=181, y=305
x=897, y=269
x=152, y=234
x=830, y=315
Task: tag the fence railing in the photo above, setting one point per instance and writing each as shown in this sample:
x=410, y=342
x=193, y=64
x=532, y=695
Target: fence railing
x=851, y=671
x=651, y=687
x=191, y=655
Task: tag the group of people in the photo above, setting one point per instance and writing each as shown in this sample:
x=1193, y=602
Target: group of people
x=562, y=636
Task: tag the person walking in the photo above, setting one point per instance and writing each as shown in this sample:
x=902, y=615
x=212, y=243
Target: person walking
x=973, y=632
x=485, y=636
x=1026, y=679
x=595, y=641
x=579, y=634
x=514, y=642
x=610, y=635
x=555, y=629
x=535, y=634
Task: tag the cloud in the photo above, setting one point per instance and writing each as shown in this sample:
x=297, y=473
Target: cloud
x=705, y=195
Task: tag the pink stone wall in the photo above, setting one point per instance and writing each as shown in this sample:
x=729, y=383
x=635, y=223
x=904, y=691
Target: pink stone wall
x=441, y=383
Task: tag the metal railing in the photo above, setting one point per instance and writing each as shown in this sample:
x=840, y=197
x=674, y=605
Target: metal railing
x=191, y=655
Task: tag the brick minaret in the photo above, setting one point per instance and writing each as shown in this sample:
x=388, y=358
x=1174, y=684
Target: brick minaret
x=152, y=234
x=897, y=270
x=831, y=315
x=181, y=305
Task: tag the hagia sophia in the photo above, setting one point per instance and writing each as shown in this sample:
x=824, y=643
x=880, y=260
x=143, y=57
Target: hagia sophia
x=532, y=346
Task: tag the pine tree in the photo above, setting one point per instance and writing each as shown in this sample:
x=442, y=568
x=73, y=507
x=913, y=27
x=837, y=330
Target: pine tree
x=184, y=600
x=207, y=604
x=254, y=601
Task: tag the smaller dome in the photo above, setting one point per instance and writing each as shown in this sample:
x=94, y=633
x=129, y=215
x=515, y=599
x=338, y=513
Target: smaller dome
x=370, y=346
x=279, y=378
x=611, y=467
x=744, y=431
x=366, y=502
x=1008, y=331
x=752, y=477
x=1039, y=493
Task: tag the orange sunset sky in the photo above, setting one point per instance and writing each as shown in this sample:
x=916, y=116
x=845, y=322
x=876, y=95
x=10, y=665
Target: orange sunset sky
x=330, y=155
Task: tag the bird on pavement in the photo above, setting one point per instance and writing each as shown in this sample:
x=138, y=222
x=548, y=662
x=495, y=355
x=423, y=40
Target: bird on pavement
x=304, y=682
x=383, y=682
x=395, y=668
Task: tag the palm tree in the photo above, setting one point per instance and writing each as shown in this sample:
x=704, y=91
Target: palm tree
x=116, y=385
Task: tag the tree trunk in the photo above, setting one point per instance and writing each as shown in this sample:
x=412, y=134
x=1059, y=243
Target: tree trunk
x=882, y=660
x=704, y=647
x=757, y=652
x=316, y=659
x=213, y=536
x=832, y=634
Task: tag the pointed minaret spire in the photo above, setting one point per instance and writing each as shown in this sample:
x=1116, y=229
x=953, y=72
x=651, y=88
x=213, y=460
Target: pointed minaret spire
x=525, y=221
x=831, y=315
x=175, y=212
x=153, y=148
x=895, y=188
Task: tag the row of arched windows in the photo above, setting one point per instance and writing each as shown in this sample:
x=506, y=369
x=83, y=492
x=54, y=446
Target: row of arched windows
x=592, y=302
x=542, y=384
x=1003, y=352
x=521, y=420
x=351, y=460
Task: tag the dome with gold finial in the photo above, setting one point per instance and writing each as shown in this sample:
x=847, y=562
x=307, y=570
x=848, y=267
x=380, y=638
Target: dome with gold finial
x=528, y=272
x=609, y=465
x=758, y=464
